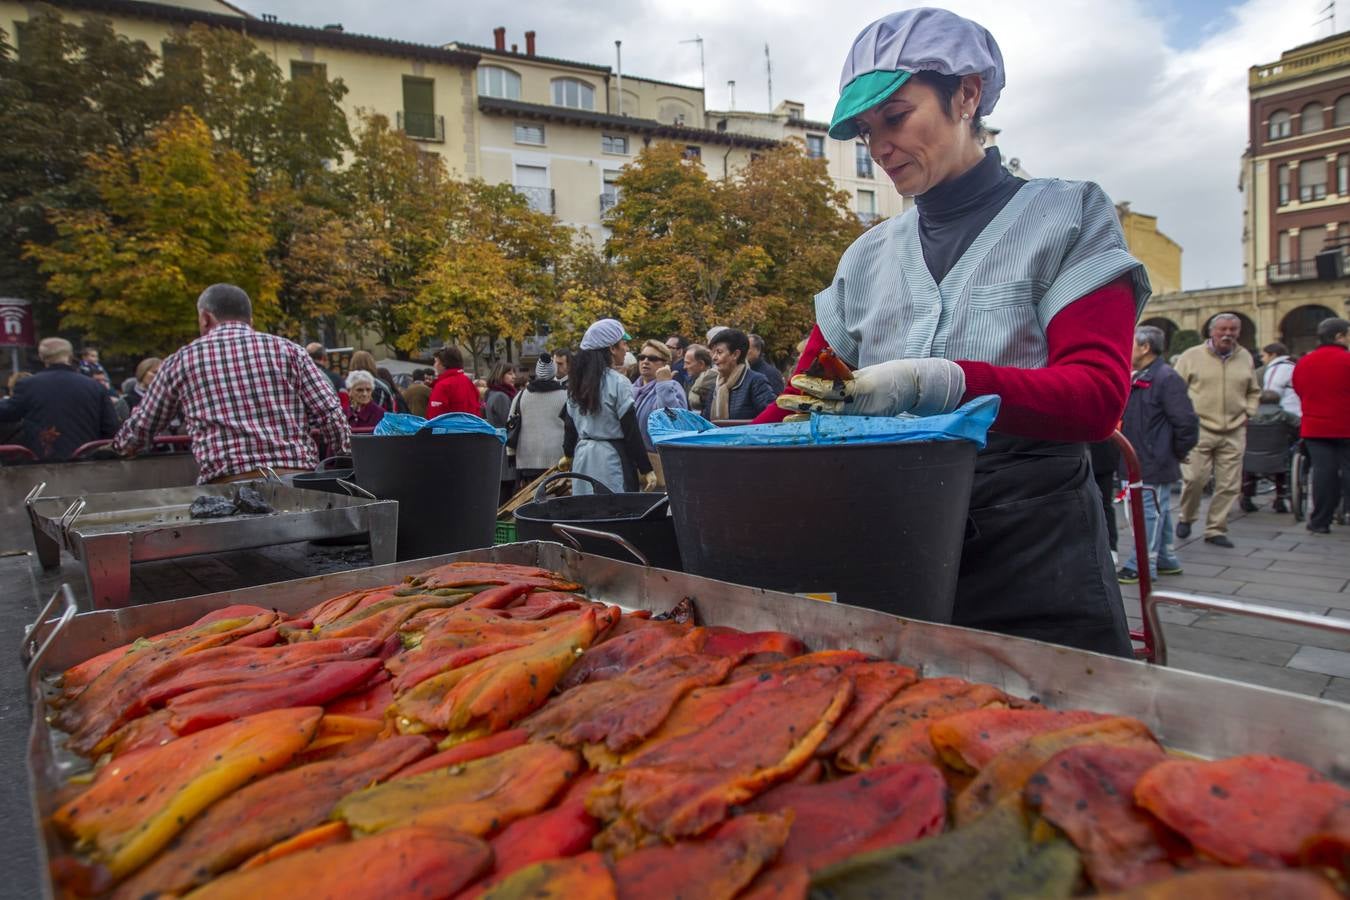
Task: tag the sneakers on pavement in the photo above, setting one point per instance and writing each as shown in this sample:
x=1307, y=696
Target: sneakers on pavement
x=1247, y=505
x=1169, y=570
x=1183, y=529
x=1320, y=529
x=1220, y=540
x=1127, y=576
x=1280, y=507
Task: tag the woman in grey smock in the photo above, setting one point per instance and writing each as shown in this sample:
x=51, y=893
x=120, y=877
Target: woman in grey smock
x=601, y=436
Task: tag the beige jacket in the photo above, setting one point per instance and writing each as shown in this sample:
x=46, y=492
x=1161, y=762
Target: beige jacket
x=1224, y=391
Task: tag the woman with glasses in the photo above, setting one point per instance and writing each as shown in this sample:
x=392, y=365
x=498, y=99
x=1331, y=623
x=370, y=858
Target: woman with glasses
x=653, y=390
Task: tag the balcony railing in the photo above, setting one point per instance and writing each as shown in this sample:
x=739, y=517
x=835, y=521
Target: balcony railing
x=422, y=126
x=539, y=198
x=608, y=197
x=1292, y=270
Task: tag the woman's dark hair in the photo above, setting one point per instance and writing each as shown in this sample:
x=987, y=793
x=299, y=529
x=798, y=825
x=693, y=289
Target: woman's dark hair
x=497, y=374
x=1276, y=348
x=945, y=87
x=450, y=357
x=587, y=376
x=735, y=341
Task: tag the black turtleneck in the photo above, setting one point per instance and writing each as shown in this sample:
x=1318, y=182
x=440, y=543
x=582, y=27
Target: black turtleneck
x=953, y=214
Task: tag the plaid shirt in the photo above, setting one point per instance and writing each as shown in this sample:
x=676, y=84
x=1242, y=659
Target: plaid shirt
x=247, y=399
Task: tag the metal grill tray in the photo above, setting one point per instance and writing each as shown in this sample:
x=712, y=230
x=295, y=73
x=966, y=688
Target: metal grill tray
x=107, y=533
x=1189, y=712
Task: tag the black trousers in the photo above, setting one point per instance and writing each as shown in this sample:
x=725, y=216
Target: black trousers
x=1330, y=477
x=1106, y=486
x=1036, y=561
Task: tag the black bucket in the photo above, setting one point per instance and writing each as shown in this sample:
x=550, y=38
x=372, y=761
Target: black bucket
x=591, y=522
x=446, y=486
x=874, y=525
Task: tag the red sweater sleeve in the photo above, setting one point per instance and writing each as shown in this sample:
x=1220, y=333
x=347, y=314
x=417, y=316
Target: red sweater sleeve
x=1078, y=396
x=1081, y=392
x=814, y=344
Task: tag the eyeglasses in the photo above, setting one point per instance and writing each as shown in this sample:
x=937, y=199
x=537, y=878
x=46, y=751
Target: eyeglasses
x=645, y=358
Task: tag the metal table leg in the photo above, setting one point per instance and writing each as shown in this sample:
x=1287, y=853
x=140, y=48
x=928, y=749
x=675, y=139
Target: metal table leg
x=382, y=519
x=107, y=569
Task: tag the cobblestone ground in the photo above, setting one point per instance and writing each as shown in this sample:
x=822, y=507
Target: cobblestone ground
x=1277, y=562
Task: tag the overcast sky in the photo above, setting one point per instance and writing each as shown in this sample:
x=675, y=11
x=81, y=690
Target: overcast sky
x=1146, y=97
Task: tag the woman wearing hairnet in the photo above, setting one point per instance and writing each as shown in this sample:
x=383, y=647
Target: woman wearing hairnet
x=989, y=285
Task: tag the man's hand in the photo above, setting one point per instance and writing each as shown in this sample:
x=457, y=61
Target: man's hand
x=924, y=387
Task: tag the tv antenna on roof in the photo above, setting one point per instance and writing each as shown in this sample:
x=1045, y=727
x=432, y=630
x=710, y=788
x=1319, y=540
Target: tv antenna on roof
x=702, y=73
x=1327, y=14
x=768, y=71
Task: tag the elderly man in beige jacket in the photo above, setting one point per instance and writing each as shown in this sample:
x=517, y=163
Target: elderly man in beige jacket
x=1224, y=391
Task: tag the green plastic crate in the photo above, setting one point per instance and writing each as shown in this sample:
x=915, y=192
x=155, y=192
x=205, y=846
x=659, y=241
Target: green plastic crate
x=505, y=533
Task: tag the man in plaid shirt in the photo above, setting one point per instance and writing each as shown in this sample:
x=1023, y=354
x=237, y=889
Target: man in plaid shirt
x=248, y=399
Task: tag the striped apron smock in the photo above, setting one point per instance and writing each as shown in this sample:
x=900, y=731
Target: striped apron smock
x=1035, y=562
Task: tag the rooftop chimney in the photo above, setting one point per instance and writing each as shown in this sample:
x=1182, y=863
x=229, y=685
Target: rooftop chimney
x=499, y=37
x=515, y=48
x=529, y=43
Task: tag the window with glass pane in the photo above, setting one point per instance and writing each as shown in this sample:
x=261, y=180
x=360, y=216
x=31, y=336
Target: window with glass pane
x=613, y=143
x=1282, y=177
x=529, y=134
x=1283, y=240
x=1280, y=125
x=1343, y=175
x=494, y=81
x=864, y=160
x=23, y=41
x=1310, y=119
x=609, y=194
x=815, y=146
x=1342, y=114
x=1311, y=241
x=301, y=70
x=572, y=93
x=419, y=107
x=1312, y=179
x=867, y=203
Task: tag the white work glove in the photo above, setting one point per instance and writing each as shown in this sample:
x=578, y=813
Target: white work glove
x=649, y=482
x=924, y=387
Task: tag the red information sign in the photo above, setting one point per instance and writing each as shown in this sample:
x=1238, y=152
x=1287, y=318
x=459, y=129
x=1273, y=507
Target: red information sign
x=16, y=323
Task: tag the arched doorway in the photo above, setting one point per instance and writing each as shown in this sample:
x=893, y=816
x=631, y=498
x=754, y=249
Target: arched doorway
x=1169, y=328
x=1298, y=330
x=1246, y=338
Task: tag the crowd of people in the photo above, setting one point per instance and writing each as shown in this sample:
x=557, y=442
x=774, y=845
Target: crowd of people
x=250, y=400
x=1215, y=421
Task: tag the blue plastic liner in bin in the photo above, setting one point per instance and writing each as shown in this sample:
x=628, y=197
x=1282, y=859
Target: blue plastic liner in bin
x=971, y=422
x=447, y=423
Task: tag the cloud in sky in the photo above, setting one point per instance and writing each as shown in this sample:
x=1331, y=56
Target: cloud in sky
x=1147, y=98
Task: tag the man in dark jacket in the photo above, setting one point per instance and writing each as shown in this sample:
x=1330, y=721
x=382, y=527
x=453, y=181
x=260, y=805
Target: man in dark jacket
x=741, y=392
x=761, y=365
x=1162, y=425
x=60, y=408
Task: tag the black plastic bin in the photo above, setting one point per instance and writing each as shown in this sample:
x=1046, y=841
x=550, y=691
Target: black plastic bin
x=874, y=525
x=446, y=486
x=642, y=520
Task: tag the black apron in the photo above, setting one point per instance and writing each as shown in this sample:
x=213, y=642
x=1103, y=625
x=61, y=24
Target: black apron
x=1035, y=562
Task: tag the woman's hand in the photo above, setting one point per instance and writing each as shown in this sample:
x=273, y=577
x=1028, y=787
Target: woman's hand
x=924, y=387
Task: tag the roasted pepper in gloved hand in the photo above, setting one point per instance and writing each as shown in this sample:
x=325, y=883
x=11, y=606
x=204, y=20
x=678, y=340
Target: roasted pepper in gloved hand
x=924, y=387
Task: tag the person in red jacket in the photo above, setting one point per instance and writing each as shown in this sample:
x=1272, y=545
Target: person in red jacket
x=452, y=390
x=987, y=284
x=1322, y=382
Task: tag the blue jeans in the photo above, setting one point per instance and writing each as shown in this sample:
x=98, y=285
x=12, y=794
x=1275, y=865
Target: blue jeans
x=1158, y=526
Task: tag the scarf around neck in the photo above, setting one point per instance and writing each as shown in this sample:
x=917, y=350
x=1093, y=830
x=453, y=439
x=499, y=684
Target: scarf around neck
x=721, y=406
